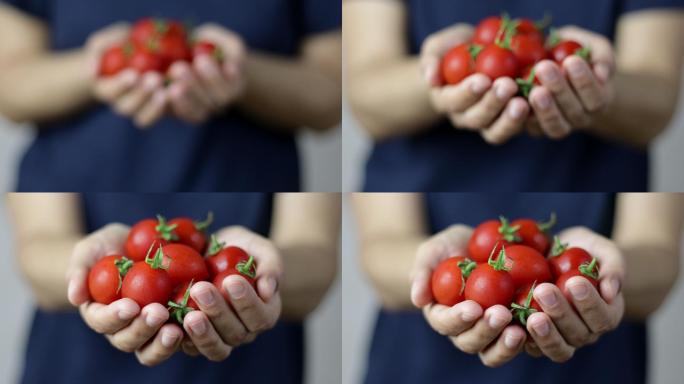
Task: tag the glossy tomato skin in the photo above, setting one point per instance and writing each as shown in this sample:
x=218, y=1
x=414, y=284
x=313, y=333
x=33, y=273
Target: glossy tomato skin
x=189, y=234
x=457, y=64
x=144, y=61
x=526, y=265
x=218, y=280
x=488, y=286
x=114, y=60
x=179, y=293
x=526, y=72
x=531, y=235
x=528, y=49
x=487, y=30
x=564, y=49
x=447, y=282
x=172, y=49
x=104, y=280
x=484, y=239
x=569, y=260
x=527, y=27
x=495, y=62
x=145, y=285
x=226, y=258
x=563, y=279
x=183, y=264
x=141, y=237
x=521, y=297
x=145, y=31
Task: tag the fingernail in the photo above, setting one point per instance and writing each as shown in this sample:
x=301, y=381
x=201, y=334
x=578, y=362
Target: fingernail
x=543, y=101
x=478, y=86
x=496, y=321
x=541, y=328
x=614, y=286
x=501, y=92
x=198, y=327
x=548, y=74
x=125, y=315
x=516, y=111
x=578, y=290
x=168, y=339
x=469, y=316
x=204, y=297
x=158, y=97
x=272, y=284
x=236, y=290
x=511, y=341
x=548, y=299
x=130, y=77
x=71, y=290
x=153, y=321
x=602, y=72
x=150, y=83
x=576, y=68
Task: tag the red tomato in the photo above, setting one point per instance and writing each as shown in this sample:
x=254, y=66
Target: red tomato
x=146, y=232
x=114, y=60
x=487, y=30
x=524, y=303
x=459, y=63
x=528, y=49
x=489, y=237
x=144, y=61
x=495, y=61
x=564, y=259
x=529, y=28
x=147, y=30
x=448, y=279
x=104, y=278
x=208, y=48
x=490, y=284
x=534, y=234
x=171, y=49
x=568, y=48
x=245, y=269
x=221, y=258
x=192, y=233
x=147, y=282
x=526, y=265
x=587, y=270
x=181, y=303
x=183, y=264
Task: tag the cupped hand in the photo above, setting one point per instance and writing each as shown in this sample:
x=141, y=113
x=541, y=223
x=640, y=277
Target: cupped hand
x=559, y=330
x=489, y=333
x=219, y=326
x=127, y=327
x=476, y=103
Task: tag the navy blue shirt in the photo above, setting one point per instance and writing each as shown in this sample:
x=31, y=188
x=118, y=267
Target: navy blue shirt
x=406, y=350
x=63, y=350
x=97, y=150
x=448, y=159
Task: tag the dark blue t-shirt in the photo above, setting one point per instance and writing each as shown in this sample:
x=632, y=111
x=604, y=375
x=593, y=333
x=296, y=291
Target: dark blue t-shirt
x=97, y=150
x=448, y=159
x=405, y=350
x=63, y=350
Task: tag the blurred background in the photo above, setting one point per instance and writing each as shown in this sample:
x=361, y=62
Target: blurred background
x=323, y=335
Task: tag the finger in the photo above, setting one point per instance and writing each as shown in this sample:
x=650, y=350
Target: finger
x=482, y=114
x=547, y=338
x=532, y=349
x=111, y=88
x=485, y=330
x=77, y=290
x=421, y=295
x=225, y=321
x=188, y=347
x=256, y=315
x=550, y=119
x=509, y=124
x=204, y=336
x=451, y=321
x=507, y=346
x=602, y=52
x=209, y=74
x=569, y=324
x=141, y=329
x=109, y=318
x=585, y=84
x=595, y=312
x=457, y=98
x=152, y=111
x=552, y=78
x=532, y=125
x=182, y=71
x=131, y=102
x=163, y=346
x=108, y=36
x=185, y=105
x=436, y=45
x=230, y=43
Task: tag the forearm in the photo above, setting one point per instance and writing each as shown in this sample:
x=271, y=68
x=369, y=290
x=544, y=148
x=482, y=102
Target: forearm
x=391, y=100
x=290, y=93
x=45, y=87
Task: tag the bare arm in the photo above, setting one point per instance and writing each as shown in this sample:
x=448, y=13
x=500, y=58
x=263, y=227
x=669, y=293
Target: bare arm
x=306, y=230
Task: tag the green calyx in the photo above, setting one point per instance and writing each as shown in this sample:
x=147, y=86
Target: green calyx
x=522, y=312
x=203, y=225
x=247, y=268
x=584, y=53
x=558, y=247
x=474, y=50
x=179, y=310
x=499, y=264
x=157, y=261
x=545, y=226
x=123, y=265
x=506, y=31
x=544, y=23
x=215, y=246
x=467, y=266
x=525, y=85
x=590, y=269
x=508, y=232
x=165, y=230
x=554, y=38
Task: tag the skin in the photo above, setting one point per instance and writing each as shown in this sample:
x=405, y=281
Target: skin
x=49, y=250
x=270, y=88
x=627, y=93
x=639, y=266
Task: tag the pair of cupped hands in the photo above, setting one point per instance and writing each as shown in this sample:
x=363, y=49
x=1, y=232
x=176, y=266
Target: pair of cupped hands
x=196, y=91
x=569, y=98
x=213, y=331
x=556, y=332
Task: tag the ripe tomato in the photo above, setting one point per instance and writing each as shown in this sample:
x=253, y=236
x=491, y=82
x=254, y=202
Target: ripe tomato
x=524, y=303
x=104, y=278
x=181, y=303
x=534, y=234
x=528, y=28
x=490, y=284
x=147, y=30
x=204, y=47
x=587, y=270
x=487, y=30
x=568, y=48
x=145, y=61
x=448, y=279
x=528, y=49
x=489, y=237
x=147, y=282
x=172, y=48
x=221, y=258
x=146, y=232
x=183, y=264
x=526, y=265
x=495, y=61
x=459, y=63
x=192, y=233
x=114, y=60
x=245, y=269
x=564, y=259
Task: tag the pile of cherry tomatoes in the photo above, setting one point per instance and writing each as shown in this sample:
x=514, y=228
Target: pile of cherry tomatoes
x=502, y=47
x=505, y=262
x=162, y=260
x=152, y=46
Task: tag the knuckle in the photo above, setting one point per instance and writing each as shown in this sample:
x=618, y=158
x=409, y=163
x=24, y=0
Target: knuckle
x=237, y=338
x=124, y=345
x=603, y=326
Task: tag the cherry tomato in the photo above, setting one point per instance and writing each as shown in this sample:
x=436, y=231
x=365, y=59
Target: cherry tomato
x=208, y=48
x=448, y=279
x=192, y=233
x=459, y=63
x=524, y=303
x=183, y=264
x=587, y=270
x=526, y=265
x=534, y=234
x=147, y=282
x=144, y=61
x=245, y=269
x=564, y=259
x=171, y=49
x=495, y=61
x=490, y=284
x=528, y=49
x=104, y=278
x=528, y=28
x=114, y=60
x=146, y=30
x=487, y=30
x=146, y=232
x=489, y=237
x=568, y=48
x=181, y=303
x=528, y=81
x=221, y=258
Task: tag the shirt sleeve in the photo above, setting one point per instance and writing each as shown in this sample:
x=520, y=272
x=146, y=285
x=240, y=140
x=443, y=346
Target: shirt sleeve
x=637, y=5
x=317, y=16
x=37, y=8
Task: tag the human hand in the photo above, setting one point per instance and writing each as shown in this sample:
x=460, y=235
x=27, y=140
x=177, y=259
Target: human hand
x=127, y=327
x=472, y=330
x=559, y=330
x=475, y=103
x=219, y=326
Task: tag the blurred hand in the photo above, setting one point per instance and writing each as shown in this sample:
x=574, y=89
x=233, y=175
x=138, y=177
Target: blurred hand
x=573, y=94
x=127, y=327
x=219, y=326
x=205, y=87
x=559, y=330
x=472, y=330
x=475, y=103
